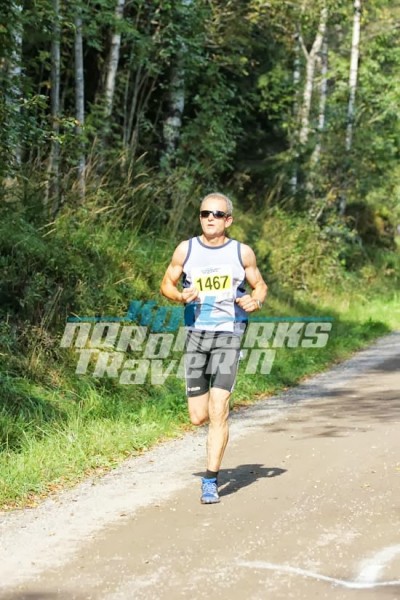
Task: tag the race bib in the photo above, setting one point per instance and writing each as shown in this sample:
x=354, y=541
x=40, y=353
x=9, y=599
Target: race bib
x=213, y=281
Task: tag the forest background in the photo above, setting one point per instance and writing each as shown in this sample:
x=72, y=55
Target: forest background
x=117, y=117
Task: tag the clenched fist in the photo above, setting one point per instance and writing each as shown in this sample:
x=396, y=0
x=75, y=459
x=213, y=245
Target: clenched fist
x=189, y=295
x=248, y=303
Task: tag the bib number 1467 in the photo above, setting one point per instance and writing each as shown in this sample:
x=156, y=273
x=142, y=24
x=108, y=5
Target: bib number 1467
x=213, y=283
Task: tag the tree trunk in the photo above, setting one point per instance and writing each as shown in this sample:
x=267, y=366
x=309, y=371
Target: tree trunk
x=355, y=50
x=130, y=106
x=113, y=59
x=53, y=188
x=323, y=90
x=80, y=102
x=15, y=94
x=296, y=83
x=311, y=58
x=128, y=129
x=173, y=122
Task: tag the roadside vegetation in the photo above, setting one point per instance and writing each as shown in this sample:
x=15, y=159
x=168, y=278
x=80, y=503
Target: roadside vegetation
x=57, y=427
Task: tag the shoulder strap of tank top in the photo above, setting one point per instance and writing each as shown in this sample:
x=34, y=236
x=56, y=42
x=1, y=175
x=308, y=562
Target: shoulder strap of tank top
x=188, y=252
x=239, y=253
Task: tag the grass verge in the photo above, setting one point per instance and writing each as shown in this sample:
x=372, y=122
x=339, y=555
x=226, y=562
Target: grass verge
x=57, y=431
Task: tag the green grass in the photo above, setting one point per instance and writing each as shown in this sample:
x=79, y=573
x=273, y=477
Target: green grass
x=68, y=435
x=56, y=432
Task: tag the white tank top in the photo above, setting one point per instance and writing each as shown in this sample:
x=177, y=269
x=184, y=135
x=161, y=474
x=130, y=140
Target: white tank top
x=218, y=274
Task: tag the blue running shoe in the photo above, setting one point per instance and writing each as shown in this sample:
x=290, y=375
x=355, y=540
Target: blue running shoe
x=209, y=491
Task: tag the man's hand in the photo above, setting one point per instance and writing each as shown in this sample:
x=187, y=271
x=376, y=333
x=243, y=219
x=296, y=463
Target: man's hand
x=248, y=303
x=189, y=295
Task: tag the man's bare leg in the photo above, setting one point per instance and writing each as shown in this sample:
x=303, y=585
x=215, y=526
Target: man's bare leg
x=218, y=430
x=212, y=407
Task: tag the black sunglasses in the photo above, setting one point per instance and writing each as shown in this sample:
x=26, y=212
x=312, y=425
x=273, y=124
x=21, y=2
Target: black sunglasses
x=217, y=214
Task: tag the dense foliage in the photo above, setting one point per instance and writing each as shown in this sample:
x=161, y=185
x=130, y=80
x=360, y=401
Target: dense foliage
x=180, y=97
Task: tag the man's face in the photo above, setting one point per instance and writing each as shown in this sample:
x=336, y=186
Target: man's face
x=214, y=226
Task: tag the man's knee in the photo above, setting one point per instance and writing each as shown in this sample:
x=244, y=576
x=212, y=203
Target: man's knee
x=198, y=419
x=219, y=418
x=219, y=409
x=198, y=409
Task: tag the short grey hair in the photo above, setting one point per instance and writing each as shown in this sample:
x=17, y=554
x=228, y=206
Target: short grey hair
x=229, y=206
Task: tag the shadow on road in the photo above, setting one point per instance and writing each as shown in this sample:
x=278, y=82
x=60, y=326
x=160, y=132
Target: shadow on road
x=337, y=412
x=232, y=480
x=344, y=411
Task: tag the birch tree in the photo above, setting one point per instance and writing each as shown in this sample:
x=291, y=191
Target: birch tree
x=53, y=190
x=79, y=102
x=323, y=92
x=113, y=59
x=355, y=51
x=173, y=122
x=303, y=111
x=14, y=94
x=311, y=60
x=296, y=77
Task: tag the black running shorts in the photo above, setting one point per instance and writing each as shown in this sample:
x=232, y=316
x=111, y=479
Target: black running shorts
x=211, y=360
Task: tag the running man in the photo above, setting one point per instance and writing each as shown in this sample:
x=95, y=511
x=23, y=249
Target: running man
x=214, y=269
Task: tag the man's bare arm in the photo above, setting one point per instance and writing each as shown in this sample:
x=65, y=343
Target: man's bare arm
x=169, y=284
x=250, y=303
